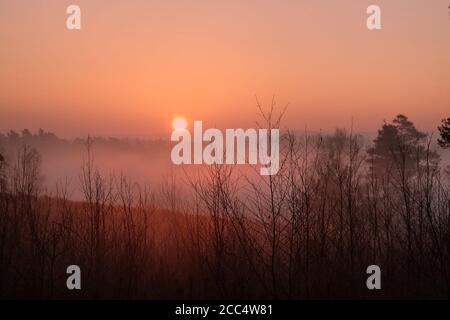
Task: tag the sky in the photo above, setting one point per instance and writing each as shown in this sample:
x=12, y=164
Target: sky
x=137, y=64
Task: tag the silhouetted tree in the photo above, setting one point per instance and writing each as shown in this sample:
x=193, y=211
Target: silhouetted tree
x=26, y=133
x=13, y=135
x=2, y=174
x=444, y=130
x=399, y=145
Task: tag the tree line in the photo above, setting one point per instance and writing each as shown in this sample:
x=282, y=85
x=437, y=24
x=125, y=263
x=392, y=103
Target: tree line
x=334, y=208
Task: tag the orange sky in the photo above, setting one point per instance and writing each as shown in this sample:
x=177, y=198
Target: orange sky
x=136, y=64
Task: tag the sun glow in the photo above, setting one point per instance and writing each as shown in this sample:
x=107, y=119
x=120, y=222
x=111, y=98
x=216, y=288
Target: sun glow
x=179, y=123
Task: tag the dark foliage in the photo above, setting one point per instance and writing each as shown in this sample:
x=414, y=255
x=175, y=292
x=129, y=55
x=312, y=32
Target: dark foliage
x=308, y=232
x=444, y=130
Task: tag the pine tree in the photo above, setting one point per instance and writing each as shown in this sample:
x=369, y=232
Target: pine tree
x=444, y=130
x=399, y=142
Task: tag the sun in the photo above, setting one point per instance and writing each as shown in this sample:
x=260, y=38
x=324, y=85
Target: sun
x=179, y=123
